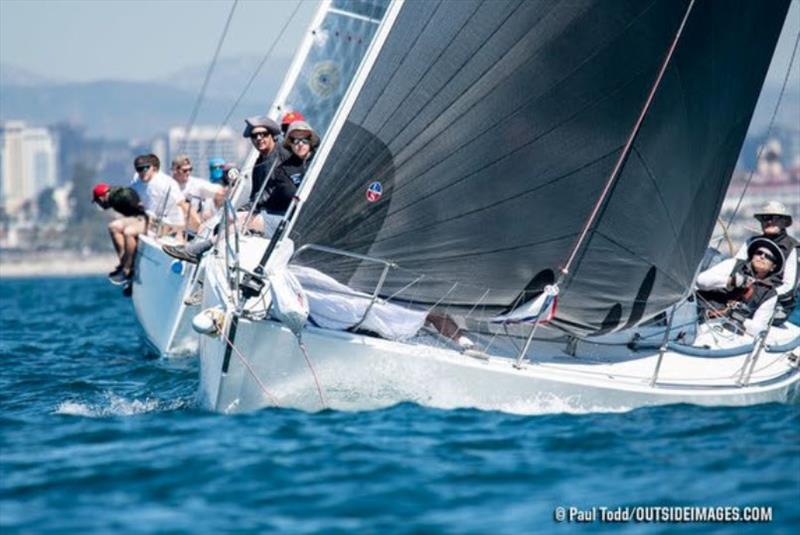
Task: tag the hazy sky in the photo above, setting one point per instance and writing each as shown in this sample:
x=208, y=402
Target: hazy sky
x=86, y=40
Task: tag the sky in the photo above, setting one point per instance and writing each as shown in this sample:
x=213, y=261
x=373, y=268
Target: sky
x=89, y=40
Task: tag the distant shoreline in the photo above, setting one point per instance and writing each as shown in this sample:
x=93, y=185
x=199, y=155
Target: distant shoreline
x=55, y=264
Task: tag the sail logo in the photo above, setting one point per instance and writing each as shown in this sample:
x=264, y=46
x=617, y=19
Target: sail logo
x=374, y=192
x=325, y=79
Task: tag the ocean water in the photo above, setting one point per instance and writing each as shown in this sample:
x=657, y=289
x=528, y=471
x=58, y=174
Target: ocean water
x=98, y=435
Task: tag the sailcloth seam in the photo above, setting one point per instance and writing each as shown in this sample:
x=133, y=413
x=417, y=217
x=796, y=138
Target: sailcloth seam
x=513, y=197
x=404, y=60
x=612, y=179
x=634, y=254
x=504, y=156
x=500, y=118
x=660, y=196
x=456, y=72
x=355, y=163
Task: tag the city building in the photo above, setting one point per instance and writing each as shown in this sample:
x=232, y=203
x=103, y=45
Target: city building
x=202, y=143
x=28, y=164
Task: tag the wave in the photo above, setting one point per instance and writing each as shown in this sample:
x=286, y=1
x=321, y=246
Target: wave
x=115, y=405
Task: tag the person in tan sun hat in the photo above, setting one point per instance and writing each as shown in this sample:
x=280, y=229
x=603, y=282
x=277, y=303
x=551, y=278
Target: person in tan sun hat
x=774, y=218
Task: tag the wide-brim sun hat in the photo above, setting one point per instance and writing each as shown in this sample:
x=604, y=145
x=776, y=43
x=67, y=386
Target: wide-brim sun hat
x=260, y=121
x=772, y=247
x=300, y=126
x=774, y=208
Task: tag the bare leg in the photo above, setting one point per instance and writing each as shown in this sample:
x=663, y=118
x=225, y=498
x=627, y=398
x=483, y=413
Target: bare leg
x=130, y=253
x=445, y=325
x=132, y=232
x=116, y=231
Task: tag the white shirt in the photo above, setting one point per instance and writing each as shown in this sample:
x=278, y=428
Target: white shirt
x=160, y=197
x=200, y=194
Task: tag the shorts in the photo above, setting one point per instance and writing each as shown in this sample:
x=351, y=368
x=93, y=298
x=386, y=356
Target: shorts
x=131, y=225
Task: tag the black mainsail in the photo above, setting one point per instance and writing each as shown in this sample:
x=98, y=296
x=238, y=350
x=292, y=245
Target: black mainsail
x=491, y=129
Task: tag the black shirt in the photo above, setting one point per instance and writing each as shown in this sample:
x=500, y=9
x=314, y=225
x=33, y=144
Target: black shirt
x=262, y=168
x=282, y=187
x=125, y=201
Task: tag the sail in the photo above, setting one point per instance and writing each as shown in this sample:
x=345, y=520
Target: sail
x=323, y=67
x=337, y=46
x=485, y=132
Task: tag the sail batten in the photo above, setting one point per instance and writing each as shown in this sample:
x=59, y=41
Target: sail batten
x=491, y=132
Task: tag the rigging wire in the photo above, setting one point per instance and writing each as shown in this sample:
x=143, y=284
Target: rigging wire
x=209, y=71
x=252, y=371
x=769, y=131
x=264, y=59
x=625, y=150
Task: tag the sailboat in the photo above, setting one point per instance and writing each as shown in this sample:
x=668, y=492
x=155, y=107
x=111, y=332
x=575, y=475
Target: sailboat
x=547, y=175
x=166, y=290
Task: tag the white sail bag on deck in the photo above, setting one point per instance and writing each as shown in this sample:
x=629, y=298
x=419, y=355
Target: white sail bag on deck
x=289, y=301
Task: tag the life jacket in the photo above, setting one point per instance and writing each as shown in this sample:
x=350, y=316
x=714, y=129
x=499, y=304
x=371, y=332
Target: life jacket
x=786, y=244
x=740, y=304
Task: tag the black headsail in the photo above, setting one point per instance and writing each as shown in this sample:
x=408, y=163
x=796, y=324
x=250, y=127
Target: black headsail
x=492, y=127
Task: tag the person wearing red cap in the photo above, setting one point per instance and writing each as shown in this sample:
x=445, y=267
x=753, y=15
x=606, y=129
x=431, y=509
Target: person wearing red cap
x=289, y=118
x=127, y=203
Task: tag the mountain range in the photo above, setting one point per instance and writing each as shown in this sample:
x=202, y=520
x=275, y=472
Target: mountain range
x=119, y=109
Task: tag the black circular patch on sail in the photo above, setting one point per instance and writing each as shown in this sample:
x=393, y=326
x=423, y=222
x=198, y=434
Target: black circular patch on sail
x=337, y=213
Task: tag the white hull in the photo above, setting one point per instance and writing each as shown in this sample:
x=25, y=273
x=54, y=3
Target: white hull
x=357, y=372
x=159, y=291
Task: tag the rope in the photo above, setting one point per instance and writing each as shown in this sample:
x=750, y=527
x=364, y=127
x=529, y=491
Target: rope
x=258, y=69
x=251, y=370
x=725, y=236
x=202, y=93
x=769, y=131
x=626, y=149
x=313, y=372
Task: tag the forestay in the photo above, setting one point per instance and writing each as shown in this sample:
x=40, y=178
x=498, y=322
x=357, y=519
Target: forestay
x=485, y=132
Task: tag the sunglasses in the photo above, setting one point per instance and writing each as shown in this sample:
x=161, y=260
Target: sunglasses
x=301, y=141
x=142, y=168
x=259, y=135
x=185, y=169
x=770, y=218
x=765, y=254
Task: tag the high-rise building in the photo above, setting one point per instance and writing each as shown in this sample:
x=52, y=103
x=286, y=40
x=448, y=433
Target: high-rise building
x=28, y=163
x=202, y=143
